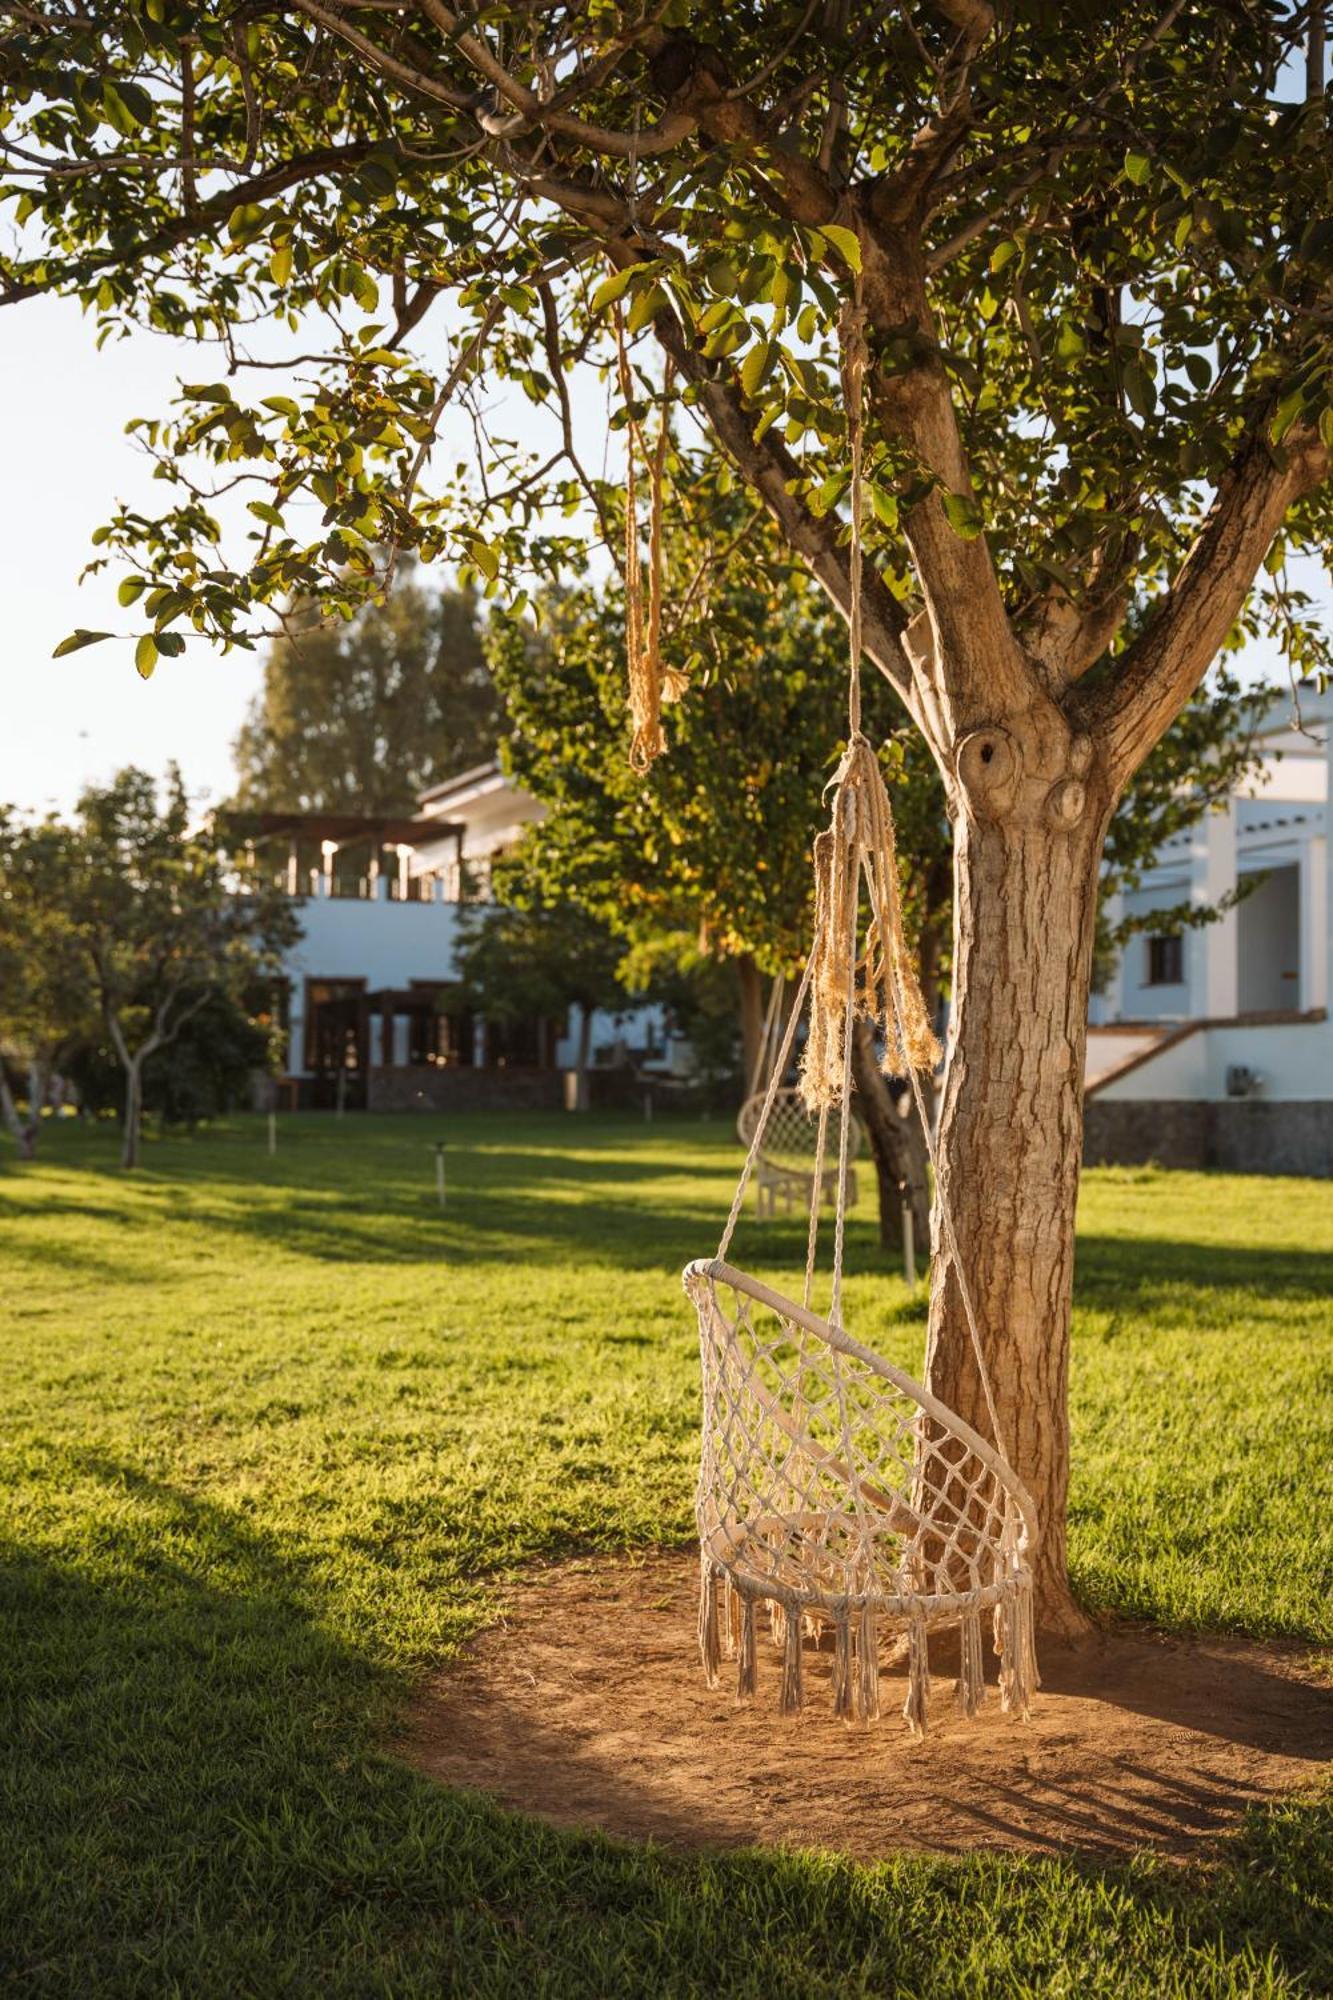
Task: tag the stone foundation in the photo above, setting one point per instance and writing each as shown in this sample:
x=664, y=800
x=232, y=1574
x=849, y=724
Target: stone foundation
x=1239, y=1136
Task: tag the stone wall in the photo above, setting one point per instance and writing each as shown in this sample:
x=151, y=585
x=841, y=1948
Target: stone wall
x=1238, y=1135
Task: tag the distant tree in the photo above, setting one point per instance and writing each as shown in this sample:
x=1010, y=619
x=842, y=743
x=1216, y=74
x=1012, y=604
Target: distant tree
x=204, y=1073
x=363, y=717
x=166, y=922
x=515, y=962
x=47, y=1004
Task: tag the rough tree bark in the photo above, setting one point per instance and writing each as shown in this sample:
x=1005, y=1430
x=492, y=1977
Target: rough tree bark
x=129, y=1146
x=1012, y=1125
x=896, y=1147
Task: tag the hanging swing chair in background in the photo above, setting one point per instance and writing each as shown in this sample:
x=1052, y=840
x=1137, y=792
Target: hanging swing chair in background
x=784, y=1170
x=833, y=1489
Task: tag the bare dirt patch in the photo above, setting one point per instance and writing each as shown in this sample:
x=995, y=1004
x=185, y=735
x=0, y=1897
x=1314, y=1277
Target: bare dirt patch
x=587, y=1707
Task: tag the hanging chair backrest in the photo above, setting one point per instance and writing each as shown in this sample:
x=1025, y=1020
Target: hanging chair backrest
x=835, y=1469
x=790, y=1141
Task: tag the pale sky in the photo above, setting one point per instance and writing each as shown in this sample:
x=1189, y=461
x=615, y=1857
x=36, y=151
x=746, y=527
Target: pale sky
x=66, y=722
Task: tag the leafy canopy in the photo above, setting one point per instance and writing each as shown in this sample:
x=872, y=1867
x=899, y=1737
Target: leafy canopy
x=712, y=857
x=1096, y=261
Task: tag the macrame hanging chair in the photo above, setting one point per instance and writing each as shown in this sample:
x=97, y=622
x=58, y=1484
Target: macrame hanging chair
x=784, y=1171
x=833, y=1489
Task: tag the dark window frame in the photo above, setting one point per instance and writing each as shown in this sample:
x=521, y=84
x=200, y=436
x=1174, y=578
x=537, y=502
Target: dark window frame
x=1166, y=960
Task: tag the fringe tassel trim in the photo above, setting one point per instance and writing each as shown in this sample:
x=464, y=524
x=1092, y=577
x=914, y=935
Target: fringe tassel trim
x=747, y=1650
x=916, y=1708
x=793, y=1692
x=844, y=1691
x=971, y=1689
x=710, y=1638
x=1016, y=1643
x=867, y=1663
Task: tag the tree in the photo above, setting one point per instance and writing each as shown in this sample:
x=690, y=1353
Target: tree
x=166, y=923
x=1093, y=274
x=46, y=999
x=711, y=856
x=517, y=959
x=363, y=717
x=205, y=1072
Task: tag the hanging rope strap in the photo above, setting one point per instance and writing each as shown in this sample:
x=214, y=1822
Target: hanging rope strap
x=643, y=625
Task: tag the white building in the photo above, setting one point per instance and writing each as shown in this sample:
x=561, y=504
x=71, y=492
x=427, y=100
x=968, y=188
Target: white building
x=374, y=1013
x=1212, y=1046
x=1215, y=1046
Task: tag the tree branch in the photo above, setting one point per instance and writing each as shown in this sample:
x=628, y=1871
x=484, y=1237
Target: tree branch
x=1158, y=673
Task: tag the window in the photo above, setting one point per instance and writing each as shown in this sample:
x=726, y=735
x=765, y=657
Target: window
x=1166, y=961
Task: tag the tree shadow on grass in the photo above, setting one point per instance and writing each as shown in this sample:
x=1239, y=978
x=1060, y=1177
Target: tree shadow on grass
x=194, y=1801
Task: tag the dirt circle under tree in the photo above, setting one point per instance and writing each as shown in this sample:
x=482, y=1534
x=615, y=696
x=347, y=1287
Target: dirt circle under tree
x=585, y=1706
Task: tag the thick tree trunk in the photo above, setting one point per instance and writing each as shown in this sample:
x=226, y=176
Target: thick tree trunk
x=129, y=1148
x=750, y=982
x=896, y=1146
x=1011, y=1146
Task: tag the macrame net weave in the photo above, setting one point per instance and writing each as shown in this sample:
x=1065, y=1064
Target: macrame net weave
x=785, y=1165
x=833, y=1489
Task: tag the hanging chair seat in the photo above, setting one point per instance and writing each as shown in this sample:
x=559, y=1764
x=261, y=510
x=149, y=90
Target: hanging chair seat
x=785, y=1165
x=837, y=1490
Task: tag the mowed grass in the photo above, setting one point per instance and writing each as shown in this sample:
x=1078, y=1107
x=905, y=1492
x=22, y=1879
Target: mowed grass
x=277, y=1435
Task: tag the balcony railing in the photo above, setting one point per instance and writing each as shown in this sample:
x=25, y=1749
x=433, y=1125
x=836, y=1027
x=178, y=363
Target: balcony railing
x=450, y=884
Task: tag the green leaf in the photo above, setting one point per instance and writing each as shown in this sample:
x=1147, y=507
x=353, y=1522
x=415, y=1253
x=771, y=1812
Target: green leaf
x=145, y=656
x=1002, y=254
x=283, y=405
x=845, y=242
x=486, y=559
x=132, y=588
x=1139, y=387
x=262, y=511
x=1276, y=557
x=280, y=263
x=76, y=639
x=1069, y=342
x=1137, y=168
x=884, y=506
x=646, y=306
x=963, y=515
x=612, y=288
x=757, y=366
x=1285, y=415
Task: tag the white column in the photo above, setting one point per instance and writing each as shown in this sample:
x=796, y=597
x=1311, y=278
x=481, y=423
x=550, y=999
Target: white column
x=1213, y=968
x=1109, y=1005
x=1314, y=921
x=1326, y=998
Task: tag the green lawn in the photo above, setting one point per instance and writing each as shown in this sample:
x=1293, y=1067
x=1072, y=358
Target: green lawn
x=277, y=1433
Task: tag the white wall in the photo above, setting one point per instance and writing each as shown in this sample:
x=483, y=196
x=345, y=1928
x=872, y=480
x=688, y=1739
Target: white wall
x=1109, y=1047
x=386, y=944
x=1294, y=1061
x=1138, y=1001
